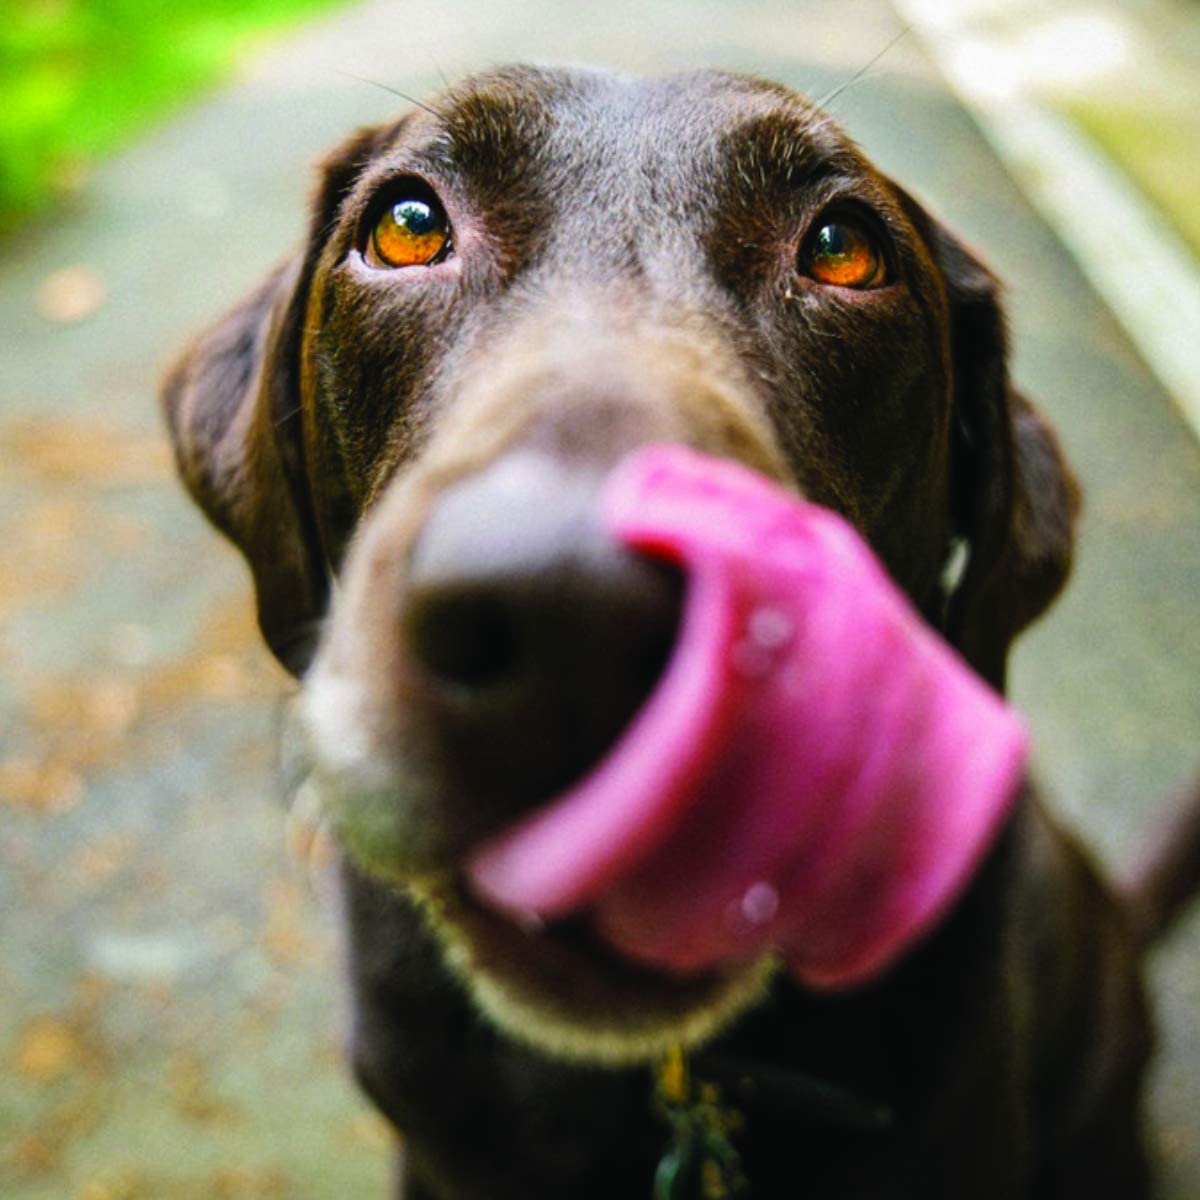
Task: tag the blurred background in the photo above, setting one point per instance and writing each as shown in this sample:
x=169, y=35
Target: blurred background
x=170, y=1019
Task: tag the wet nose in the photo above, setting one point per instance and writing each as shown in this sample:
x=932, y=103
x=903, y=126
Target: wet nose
x=534, y=637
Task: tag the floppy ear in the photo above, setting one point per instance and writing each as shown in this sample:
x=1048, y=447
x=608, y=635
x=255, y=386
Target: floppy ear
x=233, y=408
x=1014, y=498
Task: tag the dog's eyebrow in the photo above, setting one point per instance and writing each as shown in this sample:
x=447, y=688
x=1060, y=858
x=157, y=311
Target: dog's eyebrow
x=483, y=129
x=789, y=149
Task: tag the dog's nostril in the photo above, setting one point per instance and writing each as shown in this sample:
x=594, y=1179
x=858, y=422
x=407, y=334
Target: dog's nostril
x=470, y=637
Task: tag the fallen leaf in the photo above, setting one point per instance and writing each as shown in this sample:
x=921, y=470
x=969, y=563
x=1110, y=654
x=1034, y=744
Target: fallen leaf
x=42, y=1149
x=43, y=787
x=70, y=295
x=47, y=1049
x=73, y=451
x=370, y=1131
x=193, y=1095
x=101, y=859
x=111, y=1189
x=247, y=1183
x=286, y=938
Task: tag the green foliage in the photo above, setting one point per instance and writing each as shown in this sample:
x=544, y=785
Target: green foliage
x=80, y=77
x=1152, y=135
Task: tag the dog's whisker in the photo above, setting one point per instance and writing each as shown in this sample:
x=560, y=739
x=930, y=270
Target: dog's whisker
x=392, y=90
x=828, y=99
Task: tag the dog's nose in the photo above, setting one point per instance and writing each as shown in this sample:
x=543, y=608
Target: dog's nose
x=535, y=637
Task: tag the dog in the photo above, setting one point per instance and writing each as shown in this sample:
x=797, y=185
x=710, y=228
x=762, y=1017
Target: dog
x=502, y=294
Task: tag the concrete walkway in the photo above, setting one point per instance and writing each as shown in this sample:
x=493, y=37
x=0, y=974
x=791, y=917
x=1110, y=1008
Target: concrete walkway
x=170, y=1023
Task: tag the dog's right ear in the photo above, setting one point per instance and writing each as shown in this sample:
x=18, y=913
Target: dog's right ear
x=234, y=411
x=1014, y=498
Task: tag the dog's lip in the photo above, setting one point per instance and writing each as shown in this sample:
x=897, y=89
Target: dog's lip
x=575, y=933
x=575, y=938
x=560, y=986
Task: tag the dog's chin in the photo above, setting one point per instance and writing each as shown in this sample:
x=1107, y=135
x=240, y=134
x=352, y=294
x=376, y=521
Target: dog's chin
x=555, y=987
x=559, y=989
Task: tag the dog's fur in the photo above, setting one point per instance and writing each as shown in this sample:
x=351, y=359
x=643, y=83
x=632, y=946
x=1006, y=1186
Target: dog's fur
x=624, y=271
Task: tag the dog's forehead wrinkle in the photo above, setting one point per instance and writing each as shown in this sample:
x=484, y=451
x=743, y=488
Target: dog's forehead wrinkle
x=617, y=128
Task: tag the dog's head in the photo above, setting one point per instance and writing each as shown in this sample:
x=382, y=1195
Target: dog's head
x=502, y=294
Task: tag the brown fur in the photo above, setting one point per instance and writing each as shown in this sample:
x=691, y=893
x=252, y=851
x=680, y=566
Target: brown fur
x=624, y=272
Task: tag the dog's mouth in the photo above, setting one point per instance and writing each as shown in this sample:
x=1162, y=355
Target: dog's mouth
x=560, y=987
x=521, y=921
x=813, y=772
x=810, y=776
x=511, y=897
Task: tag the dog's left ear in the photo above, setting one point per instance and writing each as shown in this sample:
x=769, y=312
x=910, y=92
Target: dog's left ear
x=233, y=406
x=1014, y=497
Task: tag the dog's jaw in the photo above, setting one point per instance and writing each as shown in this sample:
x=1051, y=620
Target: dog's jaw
x=561, y=993
x=553, y=987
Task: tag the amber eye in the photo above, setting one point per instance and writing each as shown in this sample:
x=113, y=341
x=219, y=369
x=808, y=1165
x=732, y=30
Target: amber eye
x=843, y=254
x=411, y=232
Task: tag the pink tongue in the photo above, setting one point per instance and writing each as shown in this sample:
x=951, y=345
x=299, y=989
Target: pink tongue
x=816, y=770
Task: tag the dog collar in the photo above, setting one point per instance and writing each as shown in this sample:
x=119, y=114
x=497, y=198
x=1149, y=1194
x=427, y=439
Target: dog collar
x=701, y=1161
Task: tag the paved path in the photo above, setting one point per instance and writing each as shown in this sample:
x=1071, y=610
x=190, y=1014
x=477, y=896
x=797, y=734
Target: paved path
x=170, y=1025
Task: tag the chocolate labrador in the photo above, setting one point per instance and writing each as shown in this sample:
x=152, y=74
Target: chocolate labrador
x=404, y=428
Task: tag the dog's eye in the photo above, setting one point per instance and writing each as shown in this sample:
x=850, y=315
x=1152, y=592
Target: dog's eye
x=842, y=253
x=411, y=232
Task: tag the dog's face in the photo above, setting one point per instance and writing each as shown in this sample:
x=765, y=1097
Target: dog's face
x=505, y=292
